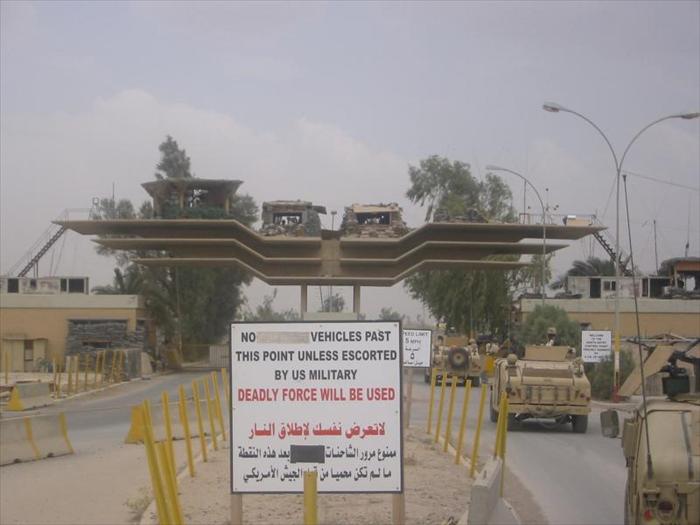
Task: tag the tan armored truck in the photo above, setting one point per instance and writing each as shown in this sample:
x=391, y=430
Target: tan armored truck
x=663, y=474
x=548, y=382
x=455, y=356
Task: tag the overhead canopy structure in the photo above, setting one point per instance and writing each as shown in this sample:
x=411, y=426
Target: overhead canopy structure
x=328, y=259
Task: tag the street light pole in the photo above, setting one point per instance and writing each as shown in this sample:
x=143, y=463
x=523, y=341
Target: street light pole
x=544, y=221
x=553, y=107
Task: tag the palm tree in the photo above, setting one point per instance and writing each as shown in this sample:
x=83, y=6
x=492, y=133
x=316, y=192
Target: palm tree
x=591, y=267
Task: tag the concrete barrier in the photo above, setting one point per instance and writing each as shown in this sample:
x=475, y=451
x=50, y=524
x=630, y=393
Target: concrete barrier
x=486, y=507
x=146, y=368
x=30, y=438
x=51, y=435
x=136, y=431
x=16, y=442
x=25, y=396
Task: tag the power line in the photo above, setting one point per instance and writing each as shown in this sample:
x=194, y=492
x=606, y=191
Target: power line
x=668, y=182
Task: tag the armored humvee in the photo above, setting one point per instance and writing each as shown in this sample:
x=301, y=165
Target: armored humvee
x=548, y=382
x=455, y=357
x=663, y=476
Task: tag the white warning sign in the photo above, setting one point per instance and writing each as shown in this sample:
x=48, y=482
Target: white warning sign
x=416, y=348
x=596, y=345
x=322, y=396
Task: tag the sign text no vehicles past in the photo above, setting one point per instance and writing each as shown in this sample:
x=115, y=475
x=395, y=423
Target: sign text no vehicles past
x=335, y=385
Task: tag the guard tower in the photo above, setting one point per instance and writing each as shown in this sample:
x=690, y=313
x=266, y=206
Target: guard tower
x=191, y=197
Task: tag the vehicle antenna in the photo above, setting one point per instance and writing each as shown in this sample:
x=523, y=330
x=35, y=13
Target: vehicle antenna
x=650, y=470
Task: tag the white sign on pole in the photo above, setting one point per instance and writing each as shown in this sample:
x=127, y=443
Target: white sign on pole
x=306, y=392
x=416, y=348
x=596, y=345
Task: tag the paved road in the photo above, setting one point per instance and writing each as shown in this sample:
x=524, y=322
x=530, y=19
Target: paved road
x=575, y=478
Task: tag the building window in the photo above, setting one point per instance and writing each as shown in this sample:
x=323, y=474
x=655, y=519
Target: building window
x=28, y=350
x=609, y=286
x=76, y=285
x=32, y=284
x=13, y=286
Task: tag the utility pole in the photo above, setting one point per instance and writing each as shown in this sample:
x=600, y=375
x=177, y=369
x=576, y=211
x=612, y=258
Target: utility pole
x=656, y=253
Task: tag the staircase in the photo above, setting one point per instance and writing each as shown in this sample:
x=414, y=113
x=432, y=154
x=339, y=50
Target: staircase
x=610, y=250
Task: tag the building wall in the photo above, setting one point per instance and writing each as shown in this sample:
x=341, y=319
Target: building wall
x=35, y=317
x=657, y=316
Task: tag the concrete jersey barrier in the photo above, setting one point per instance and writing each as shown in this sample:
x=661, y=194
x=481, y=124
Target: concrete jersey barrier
x=25, y=396
x=30, y=438
x=486, y=507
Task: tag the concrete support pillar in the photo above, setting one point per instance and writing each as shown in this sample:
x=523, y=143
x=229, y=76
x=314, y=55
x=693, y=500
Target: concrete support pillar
x=356, y=299
x=304, y=305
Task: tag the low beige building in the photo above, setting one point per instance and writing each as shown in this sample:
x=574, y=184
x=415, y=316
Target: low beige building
x=43, y=320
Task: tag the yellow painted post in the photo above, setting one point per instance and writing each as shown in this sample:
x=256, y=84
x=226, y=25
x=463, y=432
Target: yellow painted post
x=64, y=431
x=450, y=413
x=463, y=421
x=165, y=402
x=120, y=366
x=477, y=436
x=102, y=364
x=433, y=379
x=184, y=421
x=97, y=367
x=55, y=374
x=217, y=399
x=438, y=424
x=114, y=365
x=69, y=369
x=499, y=426
x=6, y=357
x=58, y=379
x=200, y=424
x=87, y=367
x=210, y=414
x=171, y=482
x=504, y=434
x=227, y=390
x=30, y=436
x=310, y=498
x=77, y=373
x=164, y=516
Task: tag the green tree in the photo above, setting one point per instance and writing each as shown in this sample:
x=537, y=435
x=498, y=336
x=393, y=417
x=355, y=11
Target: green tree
x=465, y=300
x=593, y=266
x=534, y=329
x=266, y=311
x=333, y=303
x=389, y=314
x=199, y=303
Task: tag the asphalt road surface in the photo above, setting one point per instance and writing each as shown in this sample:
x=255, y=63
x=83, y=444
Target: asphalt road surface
x=575, y=478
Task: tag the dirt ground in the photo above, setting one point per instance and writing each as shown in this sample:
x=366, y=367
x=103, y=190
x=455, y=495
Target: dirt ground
x=436, y=491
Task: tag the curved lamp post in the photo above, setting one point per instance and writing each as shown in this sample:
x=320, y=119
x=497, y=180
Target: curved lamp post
x=544, y=220
x=553, y=107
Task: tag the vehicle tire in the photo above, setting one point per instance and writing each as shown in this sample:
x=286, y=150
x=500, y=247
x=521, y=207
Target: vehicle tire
x=513, y=423
x=458, y=358
x=476, y=381
x=579, y=424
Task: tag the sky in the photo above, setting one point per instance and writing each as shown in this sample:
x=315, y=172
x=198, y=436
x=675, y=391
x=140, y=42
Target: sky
x=332, y=102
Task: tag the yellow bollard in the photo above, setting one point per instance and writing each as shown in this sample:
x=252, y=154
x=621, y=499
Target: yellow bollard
x=102, y=364
x=120, y=367
x=200, y=425
x=69, y=369
x=55, y=374
x=463, y=420
x=156, y=479
x=310, y=498
x=504, y=434
x=171, y=483
x=210, y=414
x=185, y=423
x=77, y=373
x=59, y=376
x=217, y=398
x=97, y=366
x=477, y=436
x=114, y=366
x=227, y=390
x=6, y=357
x=450, y=413
x=87, y=367
x=433, y=380
x=438, y=424
x=165, y=402
x=499, y=425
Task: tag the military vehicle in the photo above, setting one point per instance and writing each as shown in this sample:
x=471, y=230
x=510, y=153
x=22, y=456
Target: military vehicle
x=455, y=356
x=548, y=382
x=661, y=445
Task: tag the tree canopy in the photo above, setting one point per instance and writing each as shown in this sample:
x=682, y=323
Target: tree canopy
x=534, y=329
x=199, y=303
x=464, y=300
x=593, y=266
x=267, y=312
